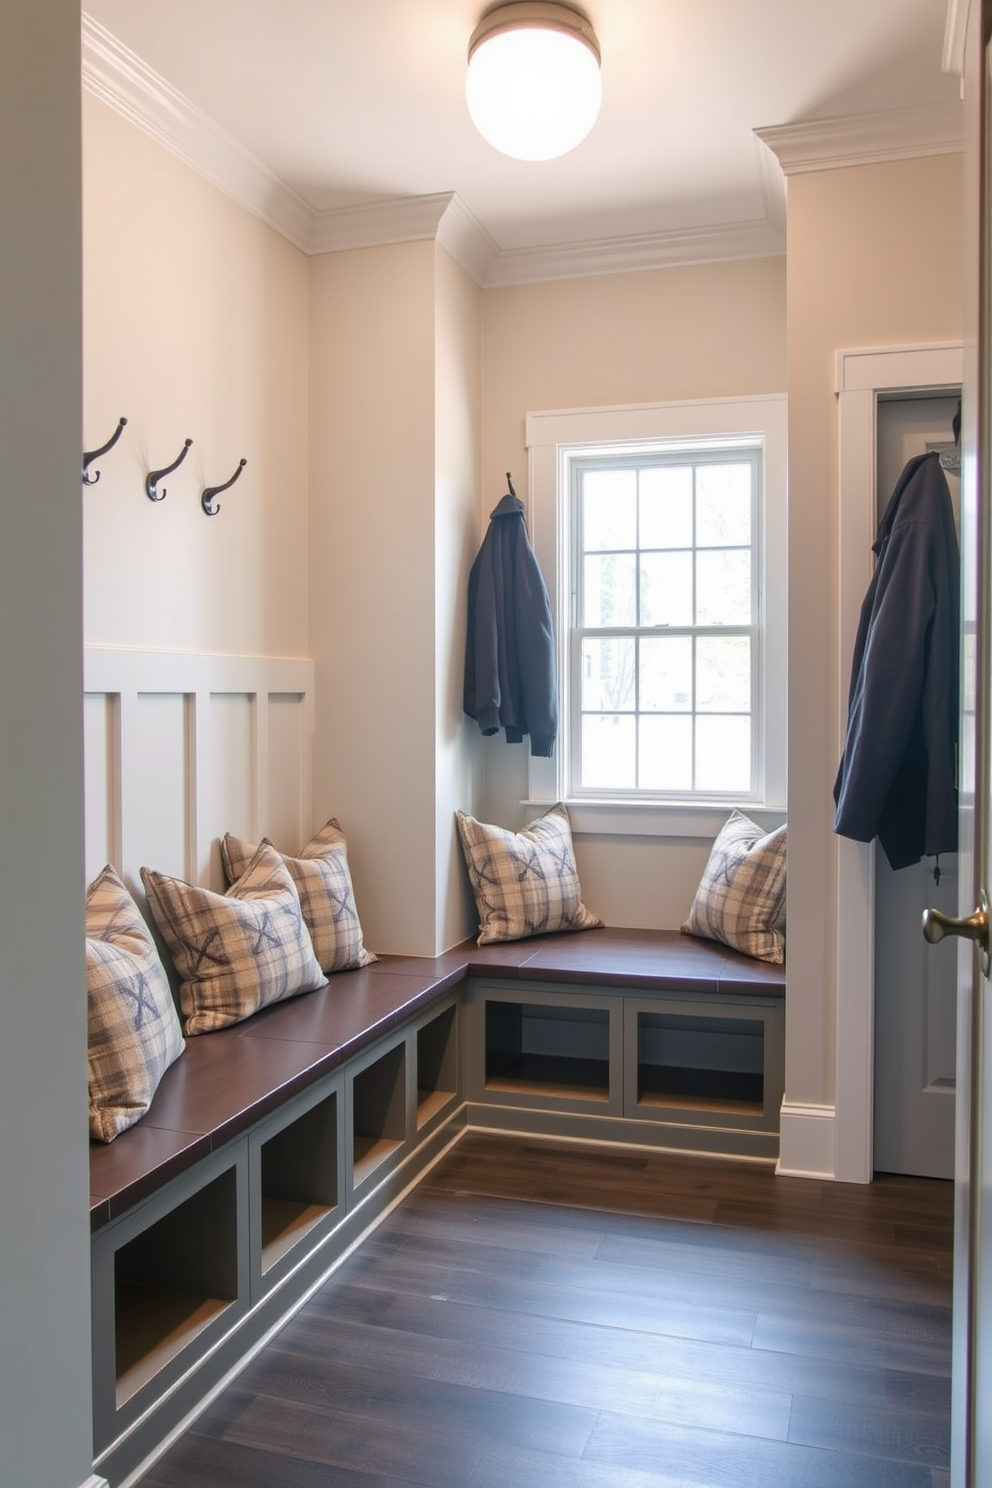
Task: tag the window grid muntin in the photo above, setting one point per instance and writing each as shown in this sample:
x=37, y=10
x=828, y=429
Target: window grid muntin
x=722, y=452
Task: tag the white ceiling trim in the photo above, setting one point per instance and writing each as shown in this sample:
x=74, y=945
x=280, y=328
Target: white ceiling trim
x=955, y=33
x=147, y=100
x=754, y=239
x=118, y=76
x=442, y=216
x=866, y=139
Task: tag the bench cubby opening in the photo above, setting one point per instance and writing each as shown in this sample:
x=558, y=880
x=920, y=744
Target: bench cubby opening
x=560, y=1050
x=712, y=1061
x=378, y=1112
x=299, y=1176
x=437, y=1064
x=543, y=1048
x=684, y=1061
x=172, y=1281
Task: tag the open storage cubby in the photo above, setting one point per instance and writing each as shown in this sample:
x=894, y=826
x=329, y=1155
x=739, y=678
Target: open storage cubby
x=169, y=1281
x=539, y=1046
x=298, y=1175
x=713, y=1062
x=378, y=1111
x=710, y=1061
x=437, y=1064
x=565, y=1051
x=172, y=1281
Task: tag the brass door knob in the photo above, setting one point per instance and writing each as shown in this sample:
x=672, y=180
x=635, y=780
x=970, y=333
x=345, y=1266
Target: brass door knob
x=973, y=927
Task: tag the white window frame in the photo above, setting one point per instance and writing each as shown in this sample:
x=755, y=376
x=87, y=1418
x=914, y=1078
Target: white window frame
x=553, y=435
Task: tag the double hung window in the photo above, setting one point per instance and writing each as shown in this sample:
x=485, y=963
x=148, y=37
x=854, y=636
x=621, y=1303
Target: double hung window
x=661, y=529
x=664, y=651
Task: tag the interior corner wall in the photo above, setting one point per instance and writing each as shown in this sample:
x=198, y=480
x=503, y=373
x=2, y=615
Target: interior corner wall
x=457, y=454
x=45, y=1407
x=875, y=259
x=371, y=584
x=705, y=331
x=195, y=326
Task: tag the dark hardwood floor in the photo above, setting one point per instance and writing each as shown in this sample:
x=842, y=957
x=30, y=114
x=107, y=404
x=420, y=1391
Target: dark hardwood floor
x=542, y=1315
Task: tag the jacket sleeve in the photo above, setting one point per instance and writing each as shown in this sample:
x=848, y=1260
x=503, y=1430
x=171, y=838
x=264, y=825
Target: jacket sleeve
x=537, y=661
x=482, y=695
x=887, y=686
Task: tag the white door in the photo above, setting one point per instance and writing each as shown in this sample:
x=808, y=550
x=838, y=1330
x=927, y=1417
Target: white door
x=915, y=989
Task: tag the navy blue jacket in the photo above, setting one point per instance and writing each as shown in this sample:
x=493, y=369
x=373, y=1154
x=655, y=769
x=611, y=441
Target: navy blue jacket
x=510, y=673
x=897, y=777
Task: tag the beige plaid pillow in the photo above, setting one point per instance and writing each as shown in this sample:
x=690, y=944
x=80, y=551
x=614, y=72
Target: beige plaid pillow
x=327, y=897
x=235, y=952
x=741, y=896
x=525, y=883
x=134, y=1032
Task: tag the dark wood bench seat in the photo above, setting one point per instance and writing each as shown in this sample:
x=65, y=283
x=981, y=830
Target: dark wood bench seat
x=227, y=1081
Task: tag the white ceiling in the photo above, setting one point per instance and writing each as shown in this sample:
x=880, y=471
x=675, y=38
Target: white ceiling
x=355, y=102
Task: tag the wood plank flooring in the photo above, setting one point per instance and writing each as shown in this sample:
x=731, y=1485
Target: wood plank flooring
x=545, y=1315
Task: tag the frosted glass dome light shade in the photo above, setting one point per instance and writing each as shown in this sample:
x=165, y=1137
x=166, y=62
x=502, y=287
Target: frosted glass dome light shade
x=533, y=85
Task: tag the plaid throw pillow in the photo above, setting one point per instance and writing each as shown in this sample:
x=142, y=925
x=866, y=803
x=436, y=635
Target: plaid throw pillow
x=525, y=883
x=327, y=898
x=134, y=1033
x=741, y=896
x=235, y=952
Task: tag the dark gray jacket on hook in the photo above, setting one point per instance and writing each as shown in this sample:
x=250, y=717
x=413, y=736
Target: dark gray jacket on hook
x=897, y=777
x=510, y=672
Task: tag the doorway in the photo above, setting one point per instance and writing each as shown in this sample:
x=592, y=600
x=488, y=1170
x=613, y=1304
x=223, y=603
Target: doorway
x=866, y=378
x=915, y=984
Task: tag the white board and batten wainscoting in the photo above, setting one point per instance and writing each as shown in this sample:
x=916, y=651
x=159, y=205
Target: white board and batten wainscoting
x=183, y=747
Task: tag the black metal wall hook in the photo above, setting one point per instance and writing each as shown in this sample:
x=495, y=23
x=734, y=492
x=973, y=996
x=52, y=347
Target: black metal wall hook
x=206, y=500
x=90, y=455
x=154, y=476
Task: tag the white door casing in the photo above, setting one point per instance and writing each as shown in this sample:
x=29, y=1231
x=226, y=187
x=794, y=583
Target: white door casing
x=862, y=377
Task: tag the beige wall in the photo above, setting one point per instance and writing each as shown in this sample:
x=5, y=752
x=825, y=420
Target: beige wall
x=875, y=259
x=457, y=455
x=394, y=398
x=372, y=576
x=712, y=331
x=195, y=325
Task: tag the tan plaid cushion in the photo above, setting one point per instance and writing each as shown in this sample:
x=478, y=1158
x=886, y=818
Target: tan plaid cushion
x=741, y=896
x=235, y=952
x=525, y=883
x=327, y=898
x=134, y=1032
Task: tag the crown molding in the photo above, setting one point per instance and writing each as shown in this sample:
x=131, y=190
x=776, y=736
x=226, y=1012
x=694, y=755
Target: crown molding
x=866, y=139
x=955, y=32
x=755, y=239
x=468, y=242
x=442, y=216
x=374, y=224
x=117, y=76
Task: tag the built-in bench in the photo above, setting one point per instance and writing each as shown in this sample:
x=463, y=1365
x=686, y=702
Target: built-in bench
x=272, y=1146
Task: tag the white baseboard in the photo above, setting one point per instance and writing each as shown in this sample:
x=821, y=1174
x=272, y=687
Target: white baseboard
x=93, y=1481
x=807, y=1141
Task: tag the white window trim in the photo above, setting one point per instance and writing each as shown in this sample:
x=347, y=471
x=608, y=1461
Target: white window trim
x=547, y=433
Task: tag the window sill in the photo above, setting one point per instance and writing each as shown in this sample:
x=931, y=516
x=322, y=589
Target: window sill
x=659, y=819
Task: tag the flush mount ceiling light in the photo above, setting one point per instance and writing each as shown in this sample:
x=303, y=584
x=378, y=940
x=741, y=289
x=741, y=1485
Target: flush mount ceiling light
x=533, y=84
